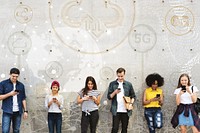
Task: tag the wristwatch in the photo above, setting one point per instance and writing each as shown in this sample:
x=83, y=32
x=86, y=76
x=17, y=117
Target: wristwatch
x=26, y=111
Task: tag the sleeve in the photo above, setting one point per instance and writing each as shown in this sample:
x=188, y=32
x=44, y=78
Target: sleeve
x=24, y=93
x=110, y=91
x=46, y=101
x=80, y=93
x=177, y=91
x=195, y=89
x=61, y=102
x=132, y=92
x=1, y=89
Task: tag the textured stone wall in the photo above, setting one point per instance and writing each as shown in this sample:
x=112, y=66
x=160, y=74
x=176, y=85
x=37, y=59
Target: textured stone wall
x=67, y=40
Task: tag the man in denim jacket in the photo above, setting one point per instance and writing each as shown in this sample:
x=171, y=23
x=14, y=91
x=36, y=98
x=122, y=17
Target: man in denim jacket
x=12, y=94
x=117, y=89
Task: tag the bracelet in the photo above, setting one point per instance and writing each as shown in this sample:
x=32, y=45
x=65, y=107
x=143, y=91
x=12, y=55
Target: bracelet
x=26, y=111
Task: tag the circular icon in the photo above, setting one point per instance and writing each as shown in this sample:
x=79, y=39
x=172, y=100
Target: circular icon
x=106, y=73
x=93, y=30
x=142, y=38
x=54, y=70
x=23, y=14
x=19, y=43
x=179, y=20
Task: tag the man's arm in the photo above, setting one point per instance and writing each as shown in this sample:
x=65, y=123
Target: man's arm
x=25, y=109
x=111, y=92
x=4, y=96
x=133, y=96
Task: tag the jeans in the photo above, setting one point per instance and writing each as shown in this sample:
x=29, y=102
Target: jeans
x=55, y=120
x=91, y=119
x=6, y=122
x=124, y=118
x=154, y=118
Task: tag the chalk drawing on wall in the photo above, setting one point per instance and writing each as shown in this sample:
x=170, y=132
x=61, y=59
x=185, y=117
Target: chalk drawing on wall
x=106, y=73
x=94, y=26
x=23, y=14
x=54, y=70
x=142, y=38
x=179, y=20
x=19, y=43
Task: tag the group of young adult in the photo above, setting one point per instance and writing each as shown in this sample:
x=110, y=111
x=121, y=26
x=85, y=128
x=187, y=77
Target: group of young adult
x=12, y=94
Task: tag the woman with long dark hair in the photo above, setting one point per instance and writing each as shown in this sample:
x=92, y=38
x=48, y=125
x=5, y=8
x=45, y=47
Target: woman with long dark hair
x=89, y=98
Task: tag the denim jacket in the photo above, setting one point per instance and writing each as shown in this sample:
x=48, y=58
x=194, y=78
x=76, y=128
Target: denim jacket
x=6, y=86
x=128, y=91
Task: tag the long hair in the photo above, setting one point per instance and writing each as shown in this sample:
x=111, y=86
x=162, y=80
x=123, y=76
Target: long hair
x=151, y=78
x=179, y=80
x=85, y=89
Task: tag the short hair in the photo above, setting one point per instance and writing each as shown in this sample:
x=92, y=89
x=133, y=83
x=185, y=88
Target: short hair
x=14, y=71
x=151, y=78
x=120, y=70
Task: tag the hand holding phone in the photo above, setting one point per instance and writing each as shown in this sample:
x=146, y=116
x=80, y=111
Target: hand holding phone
x=157, y=95
x=183, y=88
x=54, y=99
x=17, y=91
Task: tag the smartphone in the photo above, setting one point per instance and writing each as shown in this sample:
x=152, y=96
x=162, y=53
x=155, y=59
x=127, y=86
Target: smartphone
x=157, y=95
x=54, y=98
x=183, y=88
x=16, y=90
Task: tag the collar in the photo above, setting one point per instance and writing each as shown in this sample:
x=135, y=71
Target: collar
x=155, y=89
x=12, y=82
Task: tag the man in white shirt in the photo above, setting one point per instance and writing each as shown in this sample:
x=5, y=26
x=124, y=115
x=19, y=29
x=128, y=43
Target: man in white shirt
x=117, y=89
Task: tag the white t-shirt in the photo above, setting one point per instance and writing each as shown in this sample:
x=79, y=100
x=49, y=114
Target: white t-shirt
x=120, y=100
x=54, y=107
x=186, y=97
x=15, y=102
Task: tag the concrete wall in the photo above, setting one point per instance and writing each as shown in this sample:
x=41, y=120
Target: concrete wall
x=67, y=40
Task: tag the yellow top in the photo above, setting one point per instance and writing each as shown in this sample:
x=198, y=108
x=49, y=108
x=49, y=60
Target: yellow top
x=152, y=94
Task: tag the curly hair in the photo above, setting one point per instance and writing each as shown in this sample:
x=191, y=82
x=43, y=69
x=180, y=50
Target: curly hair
x=152, y=78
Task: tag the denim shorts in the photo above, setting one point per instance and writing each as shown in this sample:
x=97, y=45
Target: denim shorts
x=187, y=121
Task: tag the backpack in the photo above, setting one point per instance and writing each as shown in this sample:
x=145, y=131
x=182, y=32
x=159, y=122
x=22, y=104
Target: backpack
x=197, y=104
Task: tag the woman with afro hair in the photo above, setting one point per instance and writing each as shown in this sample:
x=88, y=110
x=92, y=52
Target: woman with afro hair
x=152, y=101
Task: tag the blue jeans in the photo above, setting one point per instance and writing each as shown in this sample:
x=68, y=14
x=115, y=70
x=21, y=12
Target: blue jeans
x=55, y=120
x=6, y=122
x=154, y=118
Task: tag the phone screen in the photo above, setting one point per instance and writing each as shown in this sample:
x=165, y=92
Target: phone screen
x=16, y=90
x=183, y=88
x=157, y=95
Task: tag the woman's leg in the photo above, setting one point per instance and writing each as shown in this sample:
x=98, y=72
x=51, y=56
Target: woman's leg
x=158, y=119
x=149, y=115
x=183, y=129
x=194, y=129
x=94, y=117
x=84, y=122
